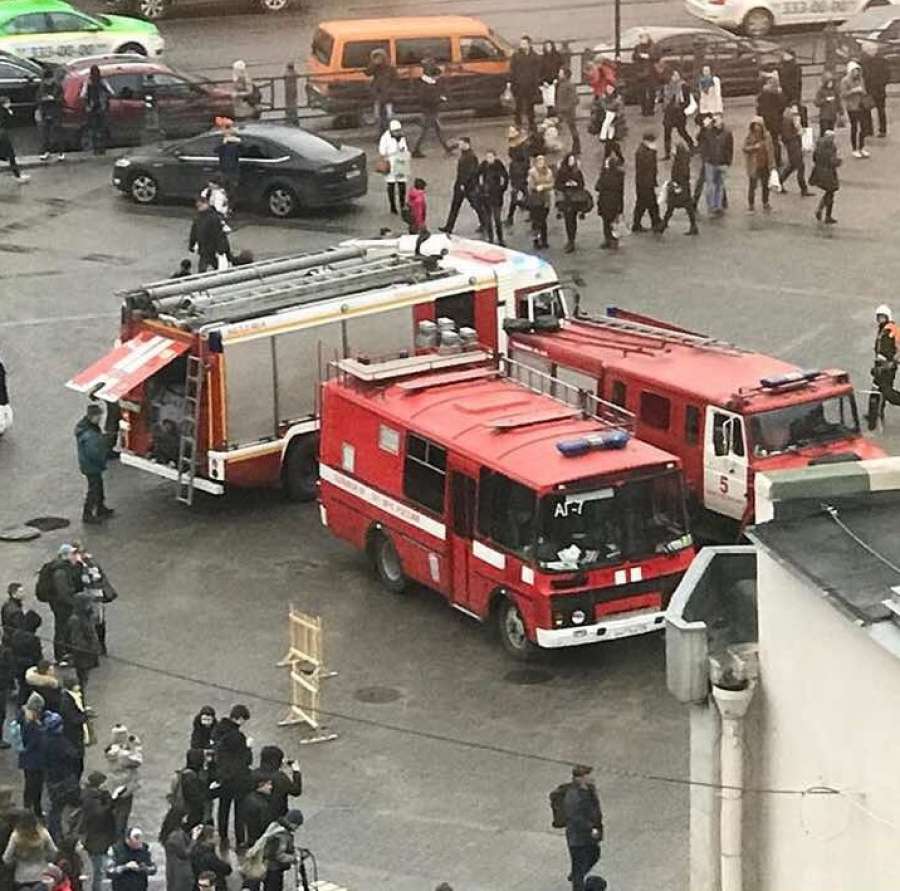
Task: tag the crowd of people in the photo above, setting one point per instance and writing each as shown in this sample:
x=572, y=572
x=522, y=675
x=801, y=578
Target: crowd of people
x=697, y=142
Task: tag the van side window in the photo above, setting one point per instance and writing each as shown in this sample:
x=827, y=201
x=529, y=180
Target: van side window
x=358, y=53
x=322, y=46
x=424, y=472
x=725, y=443
x=479, y=49
x=459, y=307
x=506, y=511
x=691, y=424
x=413, y=50
x=655, y=410
x=618, y=394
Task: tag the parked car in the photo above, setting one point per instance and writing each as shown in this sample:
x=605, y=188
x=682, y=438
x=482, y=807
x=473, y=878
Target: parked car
x=284, y=169
x=475, y=61
x=159, y=9
x=876, y=29
x=185, y=105
x=20, y=79
x=738, y=61
x=756, y=18
x=54, y=31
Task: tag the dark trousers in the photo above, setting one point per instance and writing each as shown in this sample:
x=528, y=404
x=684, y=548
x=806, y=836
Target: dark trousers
x=517, y=198
x=762, y=178
x=227, y=795
x=645, y=203
x=8, y=154
x=648, y=98
x=609, y=237
x=857, y=129
x=687, y=205
x=539, y=225
x=50, y=132
x=879, y=100
x=583, y=859
x=570, y=220
x=34, y=790
x=61, y=616
x=524, y=110
x=207, y=261
x=794, y=152
x=568, y=118
x=395, y=191
x=461, y=194
x=98, y=131
x=95, y=499
x=680, y=125
x=884, y=375
x=430, y=121
x=826, y=204
x=493, y=220
x=825, y=125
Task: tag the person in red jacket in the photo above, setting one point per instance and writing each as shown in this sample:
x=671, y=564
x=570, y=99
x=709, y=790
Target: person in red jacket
x=601, y=73
x=417, y=206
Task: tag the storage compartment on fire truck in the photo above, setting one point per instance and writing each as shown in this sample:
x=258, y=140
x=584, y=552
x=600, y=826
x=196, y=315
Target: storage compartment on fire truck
x=164, y=399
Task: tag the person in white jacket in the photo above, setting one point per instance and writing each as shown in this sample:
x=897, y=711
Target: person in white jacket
x=709, y=94
x=394, y=150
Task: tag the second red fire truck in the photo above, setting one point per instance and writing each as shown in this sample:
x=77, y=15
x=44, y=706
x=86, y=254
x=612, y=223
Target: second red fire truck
x=538, y=512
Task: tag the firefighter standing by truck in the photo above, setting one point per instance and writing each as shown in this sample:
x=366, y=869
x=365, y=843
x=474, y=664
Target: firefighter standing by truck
x=885, y=368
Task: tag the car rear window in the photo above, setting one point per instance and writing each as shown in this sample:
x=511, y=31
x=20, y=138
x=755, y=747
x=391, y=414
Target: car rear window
x=322, y=46
x=412, y=50
x=358, y=53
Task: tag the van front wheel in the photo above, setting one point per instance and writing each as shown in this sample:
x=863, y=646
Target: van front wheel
x=300, y=473
x=513, y=633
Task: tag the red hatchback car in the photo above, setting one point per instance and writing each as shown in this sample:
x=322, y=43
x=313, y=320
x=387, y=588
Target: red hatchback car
x=186, y=106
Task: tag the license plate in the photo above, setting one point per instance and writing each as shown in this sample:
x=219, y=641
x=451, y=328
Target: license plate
x=351, y=173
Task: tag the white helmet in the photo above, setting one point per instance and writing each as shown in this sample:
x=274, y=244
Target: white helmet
x=884, y=310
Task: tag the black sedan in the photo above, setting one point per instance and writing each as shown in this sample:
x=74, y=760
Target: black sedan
x=283, y=169
x=20, y=79
x=738, y=61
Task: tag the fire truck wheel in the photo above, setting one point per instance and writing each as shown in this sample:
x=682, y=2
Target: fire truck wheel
x=301, y=470
x=513, y=634
x=387, y=563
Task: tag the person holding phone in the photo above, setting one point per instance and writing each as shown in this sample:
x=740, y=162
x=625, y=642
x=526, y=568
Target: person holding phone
x=287, y=780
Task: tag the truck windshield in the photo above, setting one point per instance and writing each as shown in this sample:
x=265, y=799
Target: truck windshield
x=625, y=521
x=809, y=423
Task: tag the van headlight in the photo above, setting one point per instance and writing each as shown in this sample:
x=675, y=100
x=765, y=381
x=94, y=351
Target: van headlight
x=123, y=162
x=578, y=617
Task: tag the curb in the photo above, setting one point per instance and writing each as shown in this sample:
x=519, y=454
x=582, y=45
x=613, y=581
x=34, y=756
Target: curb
x=31, y=162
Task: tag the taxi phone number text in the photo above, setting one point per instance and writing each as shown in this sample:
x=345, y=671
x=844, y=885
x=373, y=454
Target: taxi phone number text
x=73, y=50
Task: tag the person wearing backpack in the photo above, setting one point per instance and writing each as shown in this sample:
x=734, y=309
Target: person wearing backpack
x=58, y=583
x=179, y=845
x=584, y=825
x=273, y=854
x=256, y=808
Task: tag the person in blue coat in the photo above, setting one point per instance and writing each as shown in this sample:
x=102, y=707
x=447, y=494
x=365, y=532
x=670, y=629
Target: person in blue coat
x=32, y=756
x=93, y=450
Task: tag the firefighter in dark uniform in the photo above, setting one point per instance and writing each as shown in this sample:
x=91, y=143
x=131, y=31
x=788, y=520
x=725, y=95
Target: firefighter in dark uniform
x=885, y=368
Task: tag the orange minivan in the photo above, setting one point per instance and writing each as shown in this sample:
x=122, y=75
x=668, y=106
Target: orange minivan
x=474, y=59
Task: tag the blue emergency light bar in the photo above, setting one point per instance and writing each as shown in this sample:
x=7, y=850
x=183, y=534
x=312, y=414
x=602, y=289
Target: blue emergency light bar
x=609, y=439
x=792, y=378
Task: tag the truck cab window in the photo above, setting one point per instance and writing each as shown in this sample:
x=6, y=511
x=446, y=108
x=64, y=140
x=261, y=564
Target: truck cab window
x=728, y=435
x=618, y=394
x=655, y=410
x=424, y=473
x=691, y=424
x=506, y=512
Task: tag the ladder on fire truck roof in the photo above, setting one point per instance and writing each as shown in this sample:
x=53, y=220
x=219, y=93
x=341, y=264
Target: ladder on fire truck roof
x=215, y=298
x=187, y=435
x=655, y=332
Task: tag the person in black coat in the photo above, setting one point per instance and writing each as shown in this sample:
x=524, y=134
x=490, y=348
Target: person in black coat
x=551, y=62
x=8, y=816
x=524, y=81
x=569, y=187
x=678, y=194
x=205, y=859
x=257, y=808
x=271, y=764
x=465, y=187
x=790, y=76
x=203, y=728
x=877, y=75
x=63, y=761
x=431, y=97
x=644, y=59
x=676, y=99
x=645, y=172
x=7, y=150
x=233, y=759
x=98, y=826
x=770, y=106
x=584, y=825
x=26, y=649
x=71, y=710
x=825, y=175
x=519, y=164
x=131, y=863
x=13, y=610
x=493, y=181
x=82, y=641
x=610, y=198
x=207, y=237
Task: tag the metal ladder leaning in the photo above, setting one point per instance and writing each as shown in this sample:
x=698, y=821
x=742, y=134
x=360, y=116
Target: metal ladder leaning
x=187, y=438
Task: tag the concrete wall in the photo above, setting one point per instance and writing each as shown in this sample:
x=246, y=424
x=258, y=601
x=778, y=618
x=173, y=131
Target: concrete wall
x=828, y=713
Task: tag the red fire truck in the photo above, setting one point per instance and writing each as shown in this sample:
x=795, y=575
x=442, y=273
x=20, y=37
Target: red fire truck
x=215, y=375
x=520, y=498
x=726, y=412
